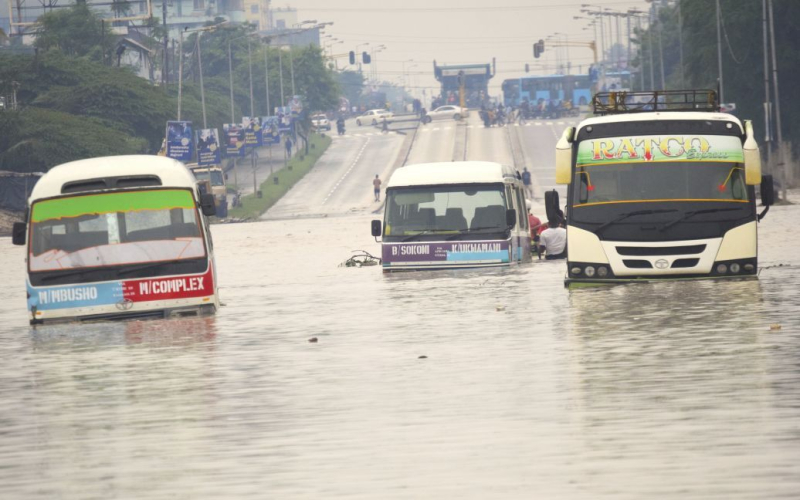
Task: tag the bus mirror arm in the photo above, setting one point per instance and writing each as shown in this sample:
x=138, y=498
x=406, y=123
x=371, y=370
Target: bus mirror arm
x=376, y=229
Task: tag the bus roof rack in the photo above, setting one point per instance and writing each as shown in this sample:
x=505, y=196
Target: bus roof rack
x=609, y=103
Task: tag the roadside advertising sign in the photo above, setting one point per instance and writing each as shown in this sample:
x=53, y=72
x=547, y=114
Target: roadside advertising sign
x=252, y=131
x=179, y=141
x=269, y=130
x=234, y=139
x=296, y=105
x=208, y=151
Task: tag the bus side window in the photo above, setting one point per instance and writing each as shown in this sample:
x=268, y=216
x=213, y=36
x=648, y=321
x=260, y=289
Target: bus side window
x=522, y=210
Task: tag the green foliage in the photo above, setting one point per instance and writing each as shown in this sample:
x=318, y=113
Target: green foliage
x=352, y=85
x=742, y=55
x=316, y=83
x=76, y=31
x=252, y=207
x=33, y=140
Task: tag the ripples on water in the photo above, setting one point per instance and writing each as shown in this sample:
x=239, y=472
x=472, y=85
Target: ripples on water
x=670, y=390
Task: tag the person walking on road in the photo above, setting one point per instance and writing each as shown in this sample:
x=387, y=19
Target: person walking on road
x=384, y=126
x=376, y=185
x=288, y=147
x=526, y=181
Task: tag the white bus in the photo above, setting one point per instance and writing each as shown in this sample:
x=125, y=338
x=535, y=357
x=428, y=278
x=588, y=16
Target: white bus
x=454, y=215
x=658, y=194
x=118, y=238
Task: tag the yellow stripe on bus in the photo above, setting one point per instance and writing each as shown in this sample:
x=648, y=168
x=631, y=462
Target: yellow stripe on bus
x=655, y=201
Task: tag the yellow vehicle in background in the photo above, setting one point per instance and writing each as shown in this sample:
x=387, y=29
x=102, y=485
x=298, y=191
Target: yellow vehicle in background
x=212, y=180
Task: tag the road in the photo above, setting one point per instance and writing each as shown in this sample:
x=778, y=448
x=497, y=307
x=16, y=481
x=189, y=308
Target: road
x=341, y=182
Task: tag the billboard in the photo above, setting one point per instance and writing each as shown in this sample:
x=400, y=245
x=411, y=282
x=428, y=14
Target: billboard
x=252, y=131
x=208, y=152
x=180, y=141
x=269, y=130
x=234, y=139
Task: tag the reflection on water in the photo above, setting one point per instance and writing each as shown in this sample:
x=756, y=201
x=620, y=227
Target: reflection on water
x=476, y=384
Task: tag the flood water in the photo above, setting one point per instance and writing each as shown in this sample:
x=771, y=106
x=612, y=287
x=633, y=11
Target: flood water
x=527, y=390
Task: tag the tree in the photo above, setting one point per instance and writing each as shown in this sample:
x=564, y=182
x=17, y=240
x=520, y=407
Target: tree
x=76, y=31
x=742, y=55
x=352, y=85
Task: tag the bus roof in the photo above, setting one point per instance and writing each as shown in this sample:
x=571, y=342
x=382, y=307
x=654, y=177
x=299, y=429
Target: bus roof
x=171, y=172
x=457, y=172
x=661, y=116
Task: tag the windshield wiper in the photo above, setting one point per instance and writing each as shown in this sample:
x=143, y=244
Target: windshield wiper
x=475, y=230
x=425, y=231
x=625, y=215
x=692, y=213
x=62, y=275
x=141, y=267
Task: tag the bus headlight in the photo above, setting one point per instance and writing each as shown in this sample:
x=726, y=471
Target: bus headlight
x=602, y=272
x=749, y=268
x=722, y=269
x=589, y=271
x=735, y=267
x=576, y=270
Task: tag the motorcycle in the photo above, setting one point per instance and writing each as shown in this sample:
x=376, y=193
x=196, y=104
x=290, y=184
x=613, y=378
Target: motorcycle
x=340, y=128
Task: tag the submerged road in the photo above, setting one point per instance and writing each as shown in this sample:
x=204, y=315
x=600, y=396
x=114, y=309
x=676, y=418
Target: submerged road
x=473, y=384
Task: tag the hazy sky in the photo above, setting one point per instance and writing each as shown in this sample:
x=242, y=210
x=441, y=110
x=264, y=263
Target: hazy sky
x=457, y=31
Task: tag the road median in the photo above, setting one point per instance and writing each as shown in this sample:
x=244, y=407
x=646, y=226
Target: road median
x=253, y=206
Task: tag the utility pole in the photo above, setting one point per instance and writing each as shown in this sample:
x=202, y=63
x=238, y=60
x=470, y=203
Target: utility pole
x=200, y=68
x=165, y=76
x=280, y=70
x=652, y=66
x=680, y=44
x=779, y=133
x=266, y=77
x=250, y=70
x=180, y=72
x=291, y=68
x=661, y=54
x=230, y=79
x=719, y=54
x=767, y=103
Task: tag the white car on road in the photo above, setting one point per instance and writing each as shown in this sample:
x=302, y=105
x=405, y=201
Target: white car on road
x=445, y=113
x=321, y=122
x=374, y=117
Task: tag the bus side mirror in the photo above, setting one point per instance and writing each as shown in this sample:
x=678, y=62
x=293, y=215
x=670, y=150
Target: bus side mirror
x=207, y=204
x=511, y=217
x=767, y=195
x=564, y=157
x=376, y=228
x=551, y=205
x=767, y=191
x=18, y=231
x=752, y=157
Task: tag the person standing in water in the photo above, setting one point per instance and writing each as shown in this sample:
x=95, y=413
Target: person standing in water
x=376, y=184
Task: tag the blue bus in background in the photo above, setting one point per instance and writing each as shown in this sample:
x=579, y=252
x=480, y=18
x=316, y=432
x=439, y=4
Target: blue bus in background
x=558, y=88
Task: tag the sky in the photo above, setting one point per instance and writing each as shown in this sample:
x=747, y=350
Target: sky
x=457, y=31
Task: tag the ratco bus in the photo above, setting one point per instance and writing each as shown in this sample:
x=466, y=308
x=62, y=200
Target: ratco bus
x=453, y=215
x=118, y=238
x=661, y=194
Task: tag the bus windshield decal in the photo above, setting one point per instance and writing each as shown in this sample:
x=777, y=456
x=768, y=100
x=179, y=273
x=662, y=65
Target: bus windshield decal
x=132, y=201
x=654, y=148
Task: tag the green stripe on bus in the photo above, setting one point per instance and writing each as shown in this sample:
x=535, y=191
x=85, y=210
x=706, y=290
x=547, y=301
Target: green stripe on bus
x=110, y=203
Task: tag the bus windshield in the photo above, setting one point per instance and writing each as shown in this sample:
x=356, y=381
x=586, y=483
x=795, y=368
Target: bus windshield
x=472, y=210
x=656, y=169
x=113, y=229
